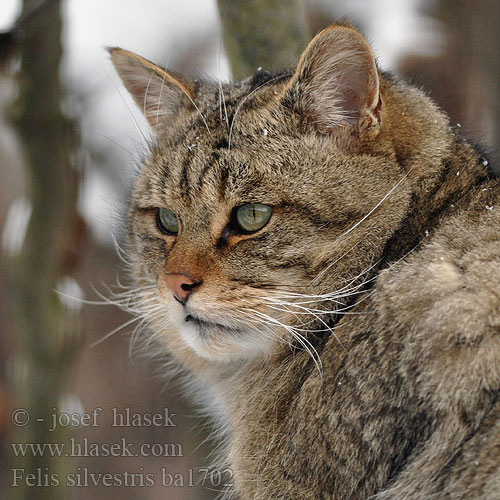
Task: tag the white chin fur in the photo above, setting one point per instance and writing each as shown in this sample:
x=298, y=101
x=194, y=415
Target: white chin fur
x=217, y=343
x=226, y=346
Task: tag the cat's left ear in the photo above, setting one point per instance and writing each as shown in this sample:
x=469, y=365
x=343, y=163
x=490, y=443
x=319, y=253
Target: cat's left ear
x=161, y=95
x=336, y=83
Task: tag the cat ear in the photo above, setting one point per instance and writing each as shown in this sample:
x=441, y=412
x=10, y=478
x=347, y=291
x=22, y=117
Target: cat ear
x=336, y=83
x=160, y=94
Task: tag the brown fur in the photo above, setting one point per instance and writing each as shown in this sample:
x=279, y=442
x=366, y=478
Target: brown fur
x=373, y=194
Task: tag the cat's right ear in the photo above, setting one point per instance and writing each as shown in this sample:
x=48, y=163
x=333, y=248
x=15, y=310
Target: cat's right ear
x=160, y=94
x=336, y=84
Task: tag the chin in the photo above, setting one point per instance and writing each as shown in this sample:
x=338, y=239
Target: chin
x=217, y=342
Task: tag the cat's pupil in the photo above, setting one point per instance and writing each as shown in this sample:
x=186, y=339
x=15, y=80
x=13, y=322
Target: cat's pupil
x=253, y=216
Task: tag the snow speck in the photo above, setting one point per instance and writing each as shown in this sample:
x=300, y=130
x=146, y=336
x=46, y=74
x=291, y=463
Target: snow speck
x=488, y=207
x=266, y=132
x=191, y=146
x=427, y=233
x=485, y=163
x=459, y=125
x=458, y=173
x=259, y=68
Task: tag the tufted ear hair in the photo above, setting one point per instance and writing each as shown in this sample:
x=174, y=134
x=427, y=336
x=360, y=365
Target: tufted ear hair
x=336, y=83
x=160, y=94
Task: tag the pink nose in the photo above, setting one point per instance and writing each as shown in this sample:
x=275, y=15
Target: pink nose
x=181, y=286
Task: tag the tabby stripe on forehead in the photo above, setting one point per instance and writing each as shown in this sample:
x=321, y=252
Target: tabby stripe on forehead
x=203, y=173
x=184, y=183
x=165, y=174
x=210, y=162
x=223, y=181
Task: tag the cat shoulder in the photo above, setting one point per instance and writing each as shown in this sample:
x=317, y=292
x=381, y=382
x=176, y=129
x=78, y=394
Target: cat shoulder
x=445, y=296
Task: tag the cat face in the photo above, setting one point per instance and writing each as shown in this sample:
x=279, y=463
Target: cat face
x=259, y=212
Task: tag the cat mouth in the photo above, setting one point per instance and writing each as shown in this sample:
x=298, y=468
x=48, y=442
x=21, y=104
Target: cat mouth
x=208, y=326
x=218, y=341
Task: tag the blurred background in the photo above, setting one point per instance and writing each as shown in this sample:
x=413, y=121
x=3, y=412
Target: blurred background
x=70, y=142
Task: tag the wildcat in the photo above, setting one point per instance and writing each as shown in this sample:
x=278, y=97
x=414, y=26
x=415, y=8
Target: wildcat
x=321, y=251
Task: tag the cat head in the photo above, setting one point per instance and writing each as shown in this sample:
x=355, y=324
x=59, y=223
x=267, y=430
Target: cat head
x=264, y=205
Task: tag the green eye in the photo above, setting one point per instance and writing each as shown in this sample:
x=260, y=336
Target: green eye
x=166, y=221
x=253, y=216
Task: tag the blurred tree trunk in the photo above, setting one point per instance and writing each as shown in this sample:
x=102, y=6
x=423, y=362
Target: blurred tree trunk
x=46, y=330
x=263, y=33
x=465, y=79
x=473, y=30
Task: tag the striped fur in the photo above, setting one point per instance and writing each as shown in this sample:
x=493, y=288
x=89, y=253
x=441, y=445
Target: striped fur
x=352, y=345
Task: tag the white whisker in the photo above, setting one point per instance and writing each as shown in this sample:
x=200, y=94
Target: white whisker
x=377, y=205
x=112, y=332
x=158, y=104
x=327, y=268
x=241, y=104
x=308, y=347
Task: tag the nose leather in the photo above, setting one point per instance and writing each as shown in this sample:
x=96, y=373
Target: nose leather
x=181, y=286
